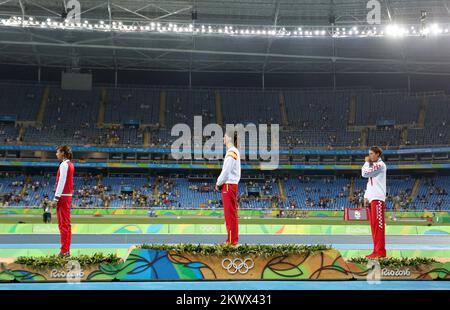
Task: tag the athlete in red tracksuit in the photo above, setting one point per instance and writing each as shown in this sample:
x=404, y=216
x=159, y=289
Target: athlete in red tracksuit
x=228, y=182
x=375, y=170
x=63, y=197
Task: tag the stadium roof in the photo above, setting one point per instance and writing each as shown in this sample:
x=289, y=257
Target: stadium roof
x=203, y=52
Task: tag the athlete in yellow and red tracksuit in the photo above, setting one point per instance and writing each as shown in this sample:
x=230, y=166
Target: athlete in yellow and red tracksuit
x=228, y=182
x=63, y=197
x=374, y=170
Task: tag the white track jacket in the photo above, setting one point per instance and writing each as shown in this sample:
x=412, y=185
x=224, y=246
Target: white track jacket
x=376, y=183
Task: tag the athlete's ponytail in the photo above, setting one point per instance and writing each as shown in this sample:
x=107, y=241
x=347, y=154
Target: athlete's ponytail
x=235, y=139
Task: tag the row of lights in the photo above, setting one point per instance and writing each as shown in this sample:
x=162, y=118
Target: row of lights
x=117, y=26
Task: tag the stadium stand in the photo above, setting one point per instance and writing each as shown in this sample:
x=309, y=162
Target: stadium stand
x=316, y=118
x=131, y=104
x=302, y=192
x=20, y=100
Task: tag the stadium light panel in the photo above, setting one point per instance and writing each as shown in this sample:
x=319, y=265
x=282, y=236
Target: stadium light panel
x=392, y=30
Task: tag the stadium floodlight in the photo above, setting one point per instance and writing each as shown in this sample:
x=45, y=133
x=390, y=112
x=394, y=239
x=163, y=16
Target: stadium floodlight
x=392, y=30
x=435, y=29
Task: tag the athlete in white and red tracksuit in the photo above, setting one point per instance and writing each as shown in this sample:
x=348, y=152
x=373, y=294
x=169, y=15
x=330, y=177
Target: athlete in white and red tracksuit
x=63, y=197
x=228, y=182
x=375, y=170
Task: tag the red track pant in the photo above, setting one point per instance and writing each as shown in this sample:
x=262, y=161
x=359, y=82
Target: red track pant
x=229, y=199
x=65, y=229
x=377, y=225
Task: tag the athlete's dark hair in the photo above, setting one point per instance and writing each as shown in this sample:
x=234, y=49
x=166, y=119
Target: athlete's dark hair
x=66, y=150
x=377, y=150
x=233, y=135
x=235, y=139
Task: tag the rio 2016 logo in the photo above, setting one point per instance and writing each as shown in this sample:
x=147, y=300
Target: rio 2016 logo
x=72, y=272
x=376, y=272
x=374, y=275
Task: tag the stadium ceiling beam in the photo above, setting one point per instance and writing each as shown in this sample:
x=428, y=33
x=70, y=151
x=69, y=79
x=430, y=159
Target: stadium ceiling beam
x=108, y=5
x=95, y=7
x=157, y=58
x=202, y=63
x=131, y=11
x=446, y=6
x=275, y=22
x=30, y=35
x=173, y=13
x=126, y=36
x=44, y=8
x=247, y=66
x=319, y=67
x=16, y=57
x=224, y=53
x=102, y=65
x=427, y=73
x=126, y=63
x=136, y=12
x=388, y=10
x=4, y=2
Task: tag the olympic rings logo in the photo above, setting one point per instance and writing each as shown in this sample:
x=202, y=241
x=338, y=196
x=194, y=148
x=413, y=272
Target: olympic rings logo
x=207, y=228
x=232, y=266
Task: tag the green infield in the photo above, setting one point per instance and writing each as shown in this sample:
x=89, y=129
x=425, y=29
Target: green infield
x=36, y=219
